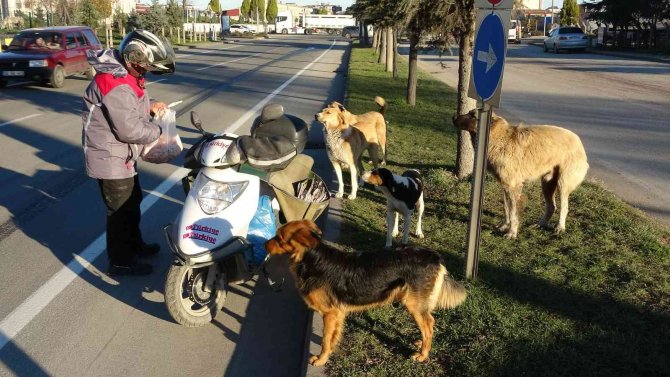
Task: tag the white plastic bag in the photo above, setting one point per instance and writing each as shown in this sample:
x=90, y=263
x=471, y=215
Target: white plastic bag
x=168, y=145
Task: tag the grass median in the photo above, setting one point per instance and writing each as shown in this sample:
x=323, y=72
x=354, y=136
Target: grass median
x=593, y=301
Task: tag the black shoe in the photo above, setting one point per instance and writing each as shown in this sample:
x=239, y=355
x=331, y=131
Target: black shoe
x=148, y=249
x=131, y=269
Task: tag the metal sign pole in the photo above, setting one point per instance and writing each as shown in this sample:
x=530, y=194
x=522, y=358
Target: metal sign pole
x=477, y=192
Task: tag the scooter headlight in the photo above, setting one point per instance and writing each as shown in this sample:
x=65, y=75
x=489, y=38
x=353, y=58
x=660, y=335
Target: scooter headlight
x=215, y=196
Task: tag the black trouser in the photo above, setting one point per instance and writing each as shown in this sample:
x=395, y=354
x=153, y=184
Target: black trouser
x=122, y=198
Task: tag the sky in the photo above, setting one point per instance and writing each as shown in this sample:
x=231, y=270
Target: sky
x=232, y=4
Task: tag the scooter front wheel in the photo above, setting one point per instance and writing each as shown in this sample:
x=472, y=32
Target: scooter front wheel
x=187, y=297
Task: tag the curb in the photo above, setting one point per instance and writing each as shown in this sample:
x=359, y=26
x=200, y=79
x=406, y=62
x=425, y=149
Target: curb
x=633, y=56
x=332, y=228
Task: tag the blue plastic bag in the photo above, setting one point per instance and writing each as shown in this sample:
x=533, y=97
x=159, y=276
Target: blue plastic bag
x=262, y=227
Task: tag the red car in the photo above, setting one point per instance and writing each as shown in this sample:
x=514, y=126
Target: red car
x=48, y=55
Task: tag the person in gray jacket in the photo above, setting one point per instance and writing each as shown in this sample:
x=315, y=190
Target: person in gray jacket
x=116, y=118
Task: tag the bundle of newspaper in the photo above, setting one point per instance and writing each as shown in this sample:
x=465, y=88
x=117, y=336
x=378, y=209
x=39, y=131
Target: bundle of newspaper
x=168, y=145
x=312, y=190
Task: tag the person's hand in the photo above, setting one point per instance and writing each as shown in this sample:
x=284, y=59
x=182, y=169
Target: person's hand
x=156, y=107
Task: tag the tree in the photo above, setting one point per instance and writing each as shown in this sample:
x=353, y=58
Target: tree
x=214, y=6
x=272, y=11
x=38, y=17
x=156, y=19
x=120, y=19
x=323, y=11
x=245, y=9
x=135, y=21
x=465, y=155
x=64, y=12
x=423, y=17
x=104, y=8
x=87, y=14
x=258, y=11
x=174, y=14
x=569, y=14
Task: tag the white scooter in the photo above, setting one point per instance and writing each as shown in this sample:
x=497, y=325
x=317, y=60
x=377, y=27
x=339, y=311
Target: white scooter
x=209, y=236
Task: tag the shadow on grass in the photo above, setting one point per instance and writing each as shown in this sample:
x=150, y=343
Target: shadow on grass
x=610, y=337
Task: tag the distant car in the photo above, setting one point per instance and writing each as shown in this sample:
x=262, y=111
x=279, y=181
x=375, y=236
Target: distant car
x=514, y=32
x=566, y=38
x=351, y=32
x=242, y=29
x=48, y=55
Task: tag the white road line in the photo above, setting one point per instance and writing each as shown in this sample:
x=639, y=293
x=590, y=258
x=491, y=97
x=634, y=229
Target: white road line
x=153, y=82
x=206, y=51
x=33, y=305
x=237, y=60
x=24, y=313
x=267, y=99
x=20, y=119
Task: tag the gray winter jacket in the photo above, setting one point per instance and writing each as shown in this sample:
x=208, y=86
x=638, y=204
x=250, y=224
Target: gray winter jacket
x=116, y=117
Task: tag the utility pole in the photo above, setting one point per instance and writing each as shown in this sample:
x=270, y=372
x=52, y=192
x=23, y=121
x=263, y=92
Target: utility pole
x=552, y=13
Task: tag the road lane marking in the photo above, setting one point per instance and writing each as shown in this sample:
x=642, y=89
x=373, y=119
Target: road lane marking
x=153, y=82
x=238, y=59
x=24, y=313
x=270, y=96
x=179, y=55
x=20, y=119
x=33, y=305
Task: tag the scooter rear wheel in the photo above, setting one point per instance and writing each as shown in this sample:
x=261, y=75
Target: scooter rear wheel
x=186, y=299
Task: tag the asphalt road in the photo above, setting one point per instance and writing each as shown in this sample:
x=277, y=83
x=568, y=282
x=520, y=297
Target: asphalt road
x=619, y=107
x=60, y=314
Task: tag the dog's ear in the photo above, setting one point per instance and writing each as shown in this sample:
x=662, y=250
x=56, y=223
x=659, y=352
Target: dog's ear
x=465, y=122
x=295, y=237
x=343, y=121
x=341, y=107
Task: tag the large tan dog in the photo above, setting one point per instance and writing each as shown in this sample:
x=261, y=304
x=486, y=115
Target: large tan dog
x=373, y=117
x=517, y=154
x=345, y=145
x=335, y=282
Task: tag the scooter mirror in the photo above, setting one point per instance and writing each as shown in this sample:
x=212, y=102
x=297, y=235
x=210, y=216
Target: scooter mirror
x=196, y=122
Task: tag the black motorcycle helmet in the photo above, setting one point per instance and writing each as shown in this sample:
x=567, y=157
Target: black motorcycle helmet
x=141, y=48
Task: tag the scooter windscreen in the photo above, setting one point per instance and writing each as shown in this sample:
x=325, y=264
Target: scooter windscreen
x=220, y=151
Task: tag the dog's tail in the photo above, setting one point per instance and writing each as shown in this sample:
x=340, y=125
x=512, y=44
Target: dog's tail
x=452, y=293
x=381, y=103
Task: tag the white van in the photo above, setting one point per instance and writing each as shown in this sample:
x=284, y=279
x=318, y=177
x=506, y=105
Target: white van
x=514, y=32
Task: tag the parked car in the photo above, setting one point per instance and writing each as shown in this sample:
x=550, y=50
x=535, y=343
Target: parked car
x=351, y=32
x=566, y=38
x=241, y=29
x=48, y=55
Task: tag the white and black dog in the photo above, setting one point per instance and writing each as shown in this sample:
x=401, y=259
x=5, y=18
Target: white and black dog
x=403, y=194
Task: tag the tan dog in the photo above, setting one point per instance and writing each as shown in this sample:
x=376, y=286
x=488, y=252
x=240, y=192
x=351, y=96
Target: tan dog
x=517, y=154
x=335, y=282
x=345, y=146
x=373, y=117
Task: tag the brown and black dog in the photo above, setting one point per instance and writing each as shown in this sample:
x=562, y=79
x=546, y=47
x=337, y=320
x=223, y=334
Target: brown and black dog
x=517, y=154
x=335, y=282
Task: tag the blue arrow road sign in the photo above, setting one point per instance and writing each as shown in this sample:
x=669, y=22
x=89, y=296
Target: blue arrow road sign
x=488, y=59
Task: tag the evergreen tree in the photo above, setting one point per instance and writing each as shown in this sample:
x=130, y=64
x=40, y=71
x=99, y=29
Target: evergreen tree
x=156, y=18
x=569, y=13
x=245, y=9
x=174, y=14
x=38, y=18
x=135, y=21
x=271, y=13
x=120, y=19
x=253, y=5
x=87, y=14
